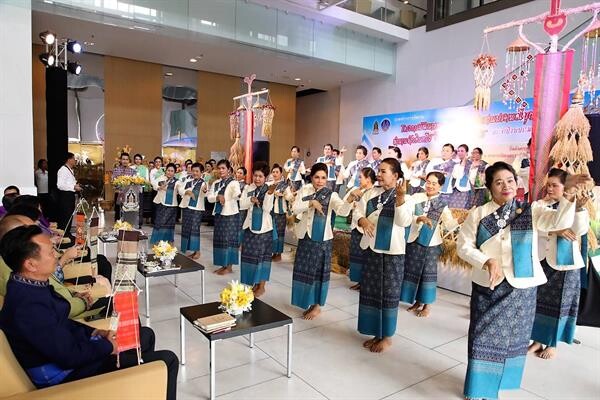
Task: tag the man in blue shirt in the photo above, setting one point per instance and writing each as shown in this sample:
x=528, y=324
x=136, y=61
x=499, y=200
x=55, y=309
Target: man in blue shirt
x=49, y=346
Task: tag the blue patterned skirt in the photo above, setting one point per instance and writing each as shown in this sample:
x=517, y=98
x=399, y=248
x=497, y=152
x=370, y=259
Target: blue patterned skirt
x=499, y=332
x=190, y=230
x=557, y=307
x=380, y=294
x=357, y=256
x=243, y=214
x=312, y=267
x=279, y=222
x=420, y=273
x=164, y=224
x=460, y=199
x=226, y=240
x=256, y=257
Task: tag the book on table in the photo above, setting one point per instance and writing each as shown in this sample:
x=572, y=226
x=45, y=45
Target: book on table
x=214, y=323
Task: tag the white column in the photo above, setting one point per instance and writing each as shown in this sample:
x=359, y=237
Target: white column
x=16, y=118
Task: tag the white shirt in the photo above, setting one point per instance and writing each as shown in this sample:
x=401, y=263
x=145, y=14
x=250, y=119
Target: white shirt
x=499, y=247
x=523, y=173
x=416, y=170
x=402, y=219
x=457, y=174
x=232, y=195
x=41, y=181
x=446, y=220
x=288, y=167
x=65, y=179
x=547, y=242
x=267, y=206
x=306, y=214
x=161, y=195
x=287, y=196
x=354, y=222
x=155, y=174
x=185, y=198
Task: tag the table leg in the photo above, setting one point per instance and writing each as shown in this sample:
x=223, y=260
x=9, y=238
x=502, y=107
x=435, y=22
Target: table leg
x=175, y=277
x=213, y=367
x=251, y=340
x=289, y=351
x=147, y=290
x=182, y=338
x=202, y=283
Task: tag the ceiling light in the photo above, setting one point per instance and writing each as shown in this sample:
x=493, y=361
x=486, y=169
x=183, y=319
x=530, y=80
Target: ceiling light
x=74, y=68
x=193, y=60
x=48, y=37
x=297, y=79
x=74, y=46
x=47, y=59
x=405, y=1
x=168, y=74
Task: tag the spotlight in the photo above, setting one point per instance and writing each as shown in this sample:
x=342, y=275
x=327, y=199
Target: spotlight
x=47, y=59
x=48, y=37
x=74, y=68
x=74, y=46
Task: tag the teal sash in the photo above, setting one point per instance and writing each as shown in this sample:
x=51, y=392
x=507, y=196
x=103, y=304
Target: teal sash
x=296, y=168
x=521, y=234
x=257, y=211
x=435, y=212
x=385, y=221
x=170, y=191
x=446, y=167
x=319, y=221
x=465, y=178
x=281, y=186
x=564, y=247
x=195, y=189
x=220, y=189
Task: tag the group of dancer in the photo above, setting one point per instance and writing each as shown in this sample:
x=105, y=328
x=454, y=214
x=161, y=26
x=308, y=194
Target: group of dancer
x=525, y=256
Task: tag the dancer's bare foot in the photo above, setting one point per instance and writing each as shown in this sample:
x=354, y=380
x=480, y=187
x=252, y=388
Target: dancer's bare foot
x=259, y=289
x=195, y=255
x=381, y=345
x=355, y=287
x=534, y=347
x=224, y=270
x=367, y=344
x=548, y=353
x=424, y=312
x=276, y=257
x=312, y=312
x=414, y=307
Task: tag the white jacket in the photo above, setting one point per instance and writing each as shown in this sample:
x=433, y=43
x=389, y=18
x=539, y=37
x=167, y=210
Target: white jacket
x=232, y=194
x=161, y=195
x=306, y=214
x=288, y=167
x=446, y=220
x=185, y=199
x=267, y=206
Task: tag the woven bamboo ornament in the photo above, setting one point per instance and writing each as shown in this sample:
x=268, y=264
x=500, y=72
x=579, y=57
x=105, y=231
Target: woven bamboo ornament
x=268, y=113
x=236, y=152
x=483, y=73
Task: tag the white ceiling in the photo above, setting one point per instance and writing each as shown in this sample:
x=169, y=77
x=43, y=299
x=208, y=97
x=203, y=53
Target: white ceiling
x=176, y=47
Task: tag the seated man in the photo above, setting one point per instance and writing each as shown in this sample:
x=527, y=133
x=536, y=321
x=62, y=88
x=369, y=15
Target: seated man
x=50, y=347
x=10, y=194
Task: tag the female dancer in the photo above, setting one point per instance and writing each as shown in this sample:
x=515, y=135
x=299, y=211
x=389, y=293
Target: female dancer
x=258, y=226
x=192, y=195
x=416, y=182
x=166, y=206
x=477, y=178
x=240, y=176
x=225, y=193
x=295, y=169
x=283, y=194
x=561, y=259
x=367, y=180
x=462, y=192
x=497, y=239
x=445, y=165
x=313, y=207
x=425, y=246
x=383, y=215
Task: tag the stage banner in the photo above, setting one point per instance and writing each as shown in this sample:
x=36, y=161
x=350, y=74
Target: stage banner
x=501, y=132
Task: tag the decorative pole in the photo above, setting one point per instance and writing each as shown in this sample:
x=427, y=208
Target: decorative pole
x=249, y=128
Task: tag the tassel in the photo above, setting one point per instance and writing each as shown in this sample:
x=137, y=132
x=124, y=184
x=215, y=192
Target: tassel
x=236, y=154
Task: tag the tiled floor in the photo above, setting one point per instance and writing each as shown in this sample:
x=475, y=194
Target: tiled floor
x=427, y=360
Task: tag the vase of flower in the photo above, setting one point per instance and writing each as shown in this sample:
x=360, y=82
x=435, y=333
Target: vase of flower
x=236, y=298
x=166, y=263
x=164, y=252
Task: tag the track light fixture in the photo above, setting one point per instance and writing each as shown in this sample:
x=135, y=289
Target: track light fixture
x=48, y=37
x=56, y=54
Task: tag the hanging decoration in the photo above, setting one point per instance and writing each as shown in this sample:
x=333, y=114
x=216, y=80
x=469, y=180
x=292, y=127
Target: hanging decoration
x=483, y=73
x=268, y=113
x=236, y=152
x=590, y=68
x=516, y=74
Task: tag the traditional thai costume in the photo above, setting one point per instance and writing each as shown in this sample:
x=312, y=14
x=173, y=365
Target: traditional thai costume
x=331, y=177
x=312, y=266
x=424, y=246
x=226, y=237
x=357, y=254
x=353, y=172
x=383, y=266
x=558, y=299
x=191, y=215
x=446, y=168
x=279, y=213
x=375, y=165
x=243, y=210
x=166, y=210
x=258, y=236
x=502, y=318
x=295, y=169
x=478, y=196
x=415, y=183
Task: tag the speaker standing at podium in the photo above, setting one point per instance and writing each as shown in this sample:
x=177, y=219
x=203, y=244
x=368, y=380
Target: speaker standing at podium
x=67, y=186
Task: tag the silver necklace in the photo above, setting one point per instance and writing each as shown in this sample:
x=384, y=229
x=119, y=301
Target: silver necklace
x=380, y=203
x=427, y=206
x=502, y=221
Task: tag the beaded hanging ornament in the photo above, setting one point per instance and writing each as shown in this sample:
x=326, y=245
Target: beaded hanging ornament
x=589, y=72
x=483, y=73
x=517, y=67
